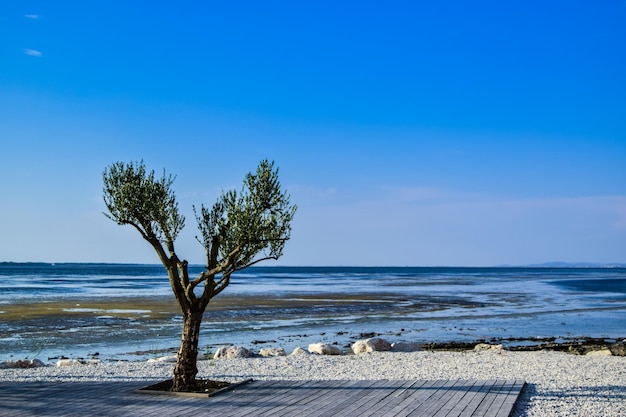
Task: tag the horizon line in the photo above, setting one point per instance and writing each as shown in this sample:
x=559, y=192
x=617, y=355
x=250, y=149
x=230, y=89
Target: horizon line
x=552, y=264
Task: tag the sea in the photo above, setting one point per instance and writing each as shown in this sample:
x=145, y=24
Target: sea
x=127, y=311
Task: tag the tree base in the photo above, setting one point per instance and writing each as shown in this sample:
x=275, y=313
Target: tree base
x=204, y=388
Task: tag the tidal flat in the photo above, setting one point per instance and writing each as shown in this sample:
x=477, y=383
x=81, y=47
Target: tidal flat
x=124, y=326
x=128, y=312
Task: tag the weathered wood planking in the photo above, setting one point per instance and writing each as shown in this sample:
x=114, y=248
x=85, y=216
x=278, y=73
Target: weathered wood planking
x=380, y=398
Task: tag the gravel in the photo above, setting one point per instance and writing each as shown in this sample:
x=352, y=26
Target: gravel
x=559, y=384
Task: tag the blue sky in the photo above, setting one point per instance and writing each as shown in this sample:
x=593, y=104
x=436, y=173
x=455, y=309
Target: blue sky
x=408, y=133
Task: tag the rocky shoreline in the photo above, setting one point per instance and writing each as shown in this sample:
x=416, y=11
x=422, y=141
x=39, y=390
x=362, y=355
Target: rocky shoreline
x=373, y=343
x=577, y=346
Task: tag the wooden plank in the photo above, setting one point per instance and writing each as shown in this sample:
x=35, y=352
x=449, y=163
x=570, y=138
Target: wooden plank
x=326, y=398
x=442, y=397
x=460, y=396
x=499, y=398
x=404, y=392
x=254, y=397
x=509, y=393
x=514, y=395
x=322, y=398
x=288, y=400
x=270, y=399
x=368, y=392
x=469, y=397
x=412, y=399
x=293, y=398
x=436, y=400
x=484, y=409
x=313, y=402
x=349, y=392
x=472, y=405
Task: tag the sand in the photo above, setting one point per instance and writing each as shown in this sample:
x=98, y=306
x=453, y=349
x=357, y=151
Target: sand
x=559, y=384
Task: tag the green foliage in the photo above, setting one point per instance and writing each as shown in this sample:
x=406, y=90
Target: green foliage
x=245, y=227
x=242, y=228
x=136, y=197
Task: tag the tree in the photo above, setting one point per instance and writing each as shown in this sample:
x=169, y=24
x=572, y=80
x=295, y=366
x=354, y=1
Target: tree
x=241, y=229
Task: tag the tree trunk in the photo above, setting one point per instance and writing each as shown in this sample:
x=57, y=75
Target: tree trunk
x=185, y=370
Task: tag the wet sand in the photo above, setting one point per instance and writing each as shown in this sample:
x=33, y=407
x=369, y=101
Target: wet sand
x=147, y=325
x=126, y=328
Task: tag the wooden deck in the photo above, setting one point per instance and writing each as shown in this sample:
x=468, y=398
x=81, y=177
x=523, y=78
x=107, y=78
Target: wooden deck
x=379, y=398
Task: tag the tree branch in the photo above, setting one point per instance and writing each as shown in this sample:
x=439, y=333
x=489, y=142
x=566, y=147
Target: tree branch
x=171, y=265
x=218, y=269
x=140, y=230
x=222, y=284
x=239, y=268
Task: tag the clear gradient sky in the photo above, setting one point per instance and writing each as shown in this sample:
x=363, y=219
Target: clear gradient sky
x=409, y=133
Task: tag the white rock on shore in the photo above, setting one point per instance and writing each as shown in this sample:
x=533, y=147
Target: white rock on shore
x=268, y=352
x=486, y=346
x=374, y=344
x=601, y=352
x=168, y=359
x=68, y=362
x=22, y=364
x=324, y=349
x=233, y=352
x=299, y=351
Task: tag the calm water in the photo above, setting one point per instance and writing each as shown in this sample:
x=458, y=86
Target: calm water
x=294, y=306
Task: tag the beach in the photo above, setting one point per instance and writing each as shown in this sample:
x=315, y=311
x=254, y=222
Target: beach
x=127, y=312
x=559, y=384
x=121, y=316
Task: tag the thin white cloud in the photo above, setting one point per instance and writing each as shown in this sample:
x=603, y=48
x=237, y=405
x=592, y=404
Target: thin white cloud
x=615, y=205
x=31, y=16
x=429, y=226
x=32, y=52
x=421, y=194
x=312, y=195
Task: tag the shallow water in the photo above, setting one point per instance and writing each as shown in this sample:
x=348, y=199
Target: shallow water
x=80, y=309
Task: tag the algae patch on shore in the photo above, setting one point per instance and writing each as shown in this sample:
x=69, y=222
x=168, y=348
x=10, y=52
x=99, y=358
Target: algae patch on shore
x=73, y=308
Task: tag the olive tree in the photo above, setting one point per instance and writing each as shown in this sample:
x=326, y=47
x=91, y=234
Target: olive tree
x=241, y=229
